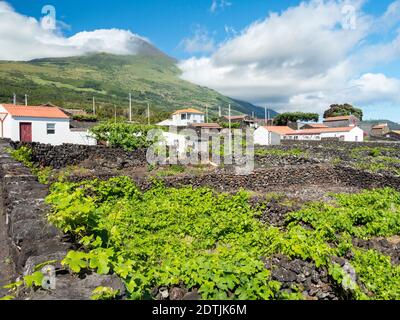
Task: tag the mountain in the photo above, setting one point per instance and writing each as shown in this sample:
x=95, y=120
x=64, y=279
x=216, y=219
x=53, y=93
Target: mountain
x=150, y=76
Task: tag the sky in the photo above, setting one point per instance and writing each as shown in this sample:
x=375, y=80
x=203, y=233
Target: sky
x=289, y=55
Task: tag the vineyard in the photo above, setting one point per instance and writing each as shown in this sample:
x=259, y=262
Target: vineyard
x=184, y=242
x=214, y=243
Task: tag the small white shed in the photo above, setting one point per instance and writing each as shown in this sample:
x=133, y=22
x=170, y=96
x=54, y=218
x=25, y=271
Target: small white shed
x=270, y=135
x=41, y=124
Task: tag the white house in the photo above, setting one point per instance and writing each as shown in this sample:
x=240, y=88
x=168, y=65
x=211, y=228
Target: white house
x=41, y=124
x=183, y=118
x=272, y=135
x=348, y=134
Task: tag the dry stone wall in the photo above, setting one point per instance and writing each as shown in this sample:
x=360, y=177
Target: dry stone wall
x=70, y=154
x=31, y=240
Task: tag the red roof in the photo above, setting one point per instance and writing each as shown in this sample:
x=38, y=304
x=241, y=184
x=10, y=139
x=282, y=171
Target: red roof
x=34, y=111
x=193, y=111
x=341, y=118
x=280, y=129
x=316, y=125
x=236, y=117
x=321, y=130
x=206, y=125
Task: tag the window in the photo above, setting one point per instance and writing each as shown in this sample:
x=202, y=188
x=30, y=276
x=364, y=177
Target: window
x=51, y=128
x=183, y=116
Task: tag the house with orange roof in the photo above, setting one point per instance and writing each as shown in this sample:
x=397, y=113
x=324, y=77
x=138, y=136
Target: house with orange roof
x=273, y=135
x=184, y=118
x=348, y=134
x=43, y=124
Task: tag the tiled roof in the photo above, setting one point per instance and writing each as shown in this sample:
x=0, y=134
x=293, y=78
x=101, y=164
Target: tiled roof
x=34, y=112
x=380, y=126
x=195, y=111
x=342, y=118
x=321, y=130
x=316, y=125
x=280, y=129
x=206, y=125
x=236, y=117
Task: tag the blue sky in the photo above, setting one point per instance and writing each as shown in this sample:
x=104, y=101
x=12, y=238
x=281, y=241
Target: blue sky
x=164, y=22
x=289, y=55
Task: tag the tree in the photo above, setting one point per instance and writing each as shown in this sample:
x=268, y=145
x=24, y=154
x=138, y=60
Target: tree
x=337, y=110
x=284, y=118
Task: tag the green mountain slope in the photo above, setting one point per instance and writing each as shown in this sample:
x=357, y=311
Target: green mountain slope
x=72, y=82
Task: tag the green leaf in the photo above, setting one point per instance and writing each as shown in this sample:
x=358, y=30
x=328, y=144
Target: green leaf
x=75, y=260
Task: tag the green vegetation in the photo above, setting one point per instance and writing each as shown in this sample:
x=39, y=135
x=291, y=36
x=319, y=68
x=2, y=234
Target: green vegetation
x=297, y=152
x=284, y=118
x=72, y=83
x=24, y=155
x=124, y=135
x=171, y=170
x=213, y=242
x=234, y=125
x=382, y=159
x=346, y=109
x=86, y=117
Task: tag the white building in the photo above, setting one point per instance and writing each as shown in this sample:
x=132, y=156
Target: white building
x=48, y=125
x=272, y=135
x=183, y=118
x=348, y=134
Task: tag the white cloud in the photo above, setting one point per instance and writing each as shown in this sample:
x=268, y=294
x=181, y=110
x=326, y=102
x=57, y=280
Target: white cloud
x=219, y=4
x=200, y=42
x=23, y=38
x=301, y=59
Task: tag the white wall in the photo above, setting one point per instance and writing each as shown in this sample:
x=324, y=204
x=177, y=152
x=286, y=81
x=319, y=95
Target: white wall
x=80, y=137
x=263, y=137
x=191, y=118
x=355, y=135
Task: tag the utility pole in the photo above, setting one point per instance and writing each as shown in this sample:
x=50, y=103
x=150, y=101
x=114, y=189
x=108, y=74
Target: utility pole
x=14, y=99
x=266, y=116
x=230, y=131
x=130, y=107
x=94, y=106
x=148, y=113
x=206, y=114
x=115, y=113
x=26, y=100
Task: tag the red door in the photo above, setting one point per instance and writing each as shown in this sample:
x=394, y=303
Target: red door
x=25, y=132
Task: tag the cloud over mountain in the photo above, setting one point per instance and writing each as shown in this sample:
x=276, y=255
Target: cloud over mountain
x=24, y=38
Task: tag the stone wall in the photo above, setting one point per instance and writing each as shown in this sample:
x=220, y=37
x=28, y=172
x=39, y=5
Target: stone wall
x=31, y=240
x=342, y=144
x=70, y=154
x=301, y=176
